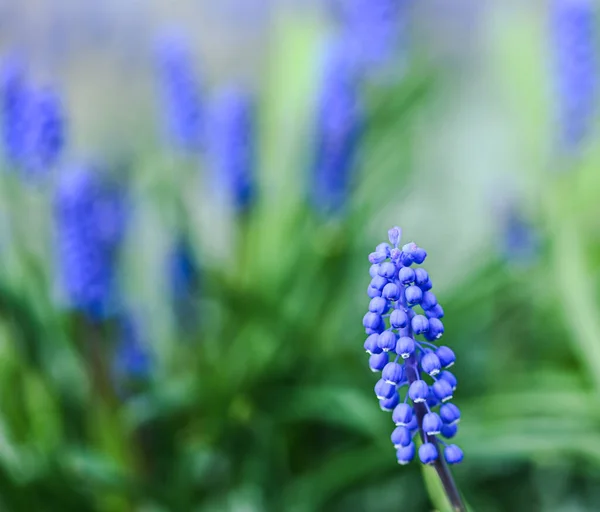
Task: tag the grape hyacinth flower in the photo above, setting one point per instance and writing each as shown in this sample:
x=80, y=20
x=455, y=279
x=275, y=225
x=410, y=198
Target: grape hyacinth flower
x=231, y=146
x=403, y=310
x=45, y=131
x=183, y=275
x=373, y=29
x=89, y=222
x=575, y=68
x=180, y=93
x=520, y=240
x=131, y=358
x=338, y=130
x=14, y=98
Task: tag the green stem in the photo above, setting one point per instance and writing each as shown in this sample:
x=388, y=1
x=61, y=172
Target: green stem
x=440, y=466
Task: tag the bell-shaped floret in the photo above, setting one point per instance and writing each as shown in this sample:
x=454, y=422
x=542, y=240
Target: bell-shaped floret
x=442, y=390
x=391, y=291
x=387, y=341
x=450, y=414
x=418, y=391
x=432, y=424
x=405, y=347
x=428, y=301
x=453, y=454
x=387, y=269
x=393, y=373
x=449, y=378
x=402, y=415
x=430, y=364
x=406, y=454
x=384, y=390
x=414, y=294
x=446, y=356
x=377, y=362
x=419, y=324
x=388, y=404
x=398, y=319
x=428, y=453
x=449, y=431
x=401, y=437
x=371, y=346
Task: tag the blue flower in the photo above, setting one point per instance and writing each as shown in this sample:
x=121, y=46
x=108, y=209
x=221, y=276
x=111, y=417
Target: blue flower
x=338, y=131
x=89, y=222
x=520, y=239
x=14, y=98
x=377, y=361
x=132, y=359
x=231, y=142
x=415, y=368
x=183, y=276
x=428, y=453
x=453, y=454
x=45, y=130
x=405, y=454
x=573, y=31
x=450, y=414
x=179, y=91
x=374, y=29
x=401, y=436
x=402, y=415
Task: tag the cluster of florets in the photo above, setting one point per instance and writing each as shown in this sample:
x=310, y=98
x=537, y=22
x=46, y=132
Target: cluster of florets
x=180, y=93
x=373, y=29
x=46, y=135
x=13, y=108
x=184, y=279
x=574, y=32
x=131, y=359
x=231, y=146
x=33, y=121
x=393, y=324
x=338, y=130
x=89, y=219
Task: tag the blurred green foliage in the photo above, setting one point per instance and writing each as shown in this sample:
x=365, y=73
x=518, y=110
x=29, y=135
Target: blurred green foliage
x=269, y=405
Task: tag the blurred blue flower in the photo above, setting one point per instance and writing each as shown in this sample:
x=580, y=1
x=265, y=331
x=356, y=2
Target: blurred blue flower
x=14, y=97
x=372, y=29
x=573, y=31
x=179, y=91
x=338, y=130
x=89, y=223
x=521, y=242
x=231, y=146
x=414, y=364
x=183, y=281
x=45, y=130
x=132, y=359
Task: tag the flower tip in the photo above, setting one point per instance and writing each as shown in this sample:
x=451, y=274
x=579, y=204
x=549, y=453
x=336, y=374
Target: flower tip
x=428, y=453
x=453, y=454
x=395, y=234
x=405, y=454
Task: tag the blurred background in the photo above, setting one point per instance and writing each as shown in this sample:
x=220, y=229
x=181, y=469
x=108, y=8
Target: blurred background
x=189, y=192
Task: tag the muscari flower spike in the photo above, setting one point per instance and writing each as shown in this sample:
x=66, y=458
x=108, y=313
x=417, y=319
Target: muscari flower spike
x=573, y=32
x=403, y=325
x=374, y=29
x=183, y=281
x=46, y=130
x=231, y=146
x=14, y=100
x=339, y=127
x=89, y=220
x=131, y=358
x=180, y=93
